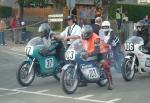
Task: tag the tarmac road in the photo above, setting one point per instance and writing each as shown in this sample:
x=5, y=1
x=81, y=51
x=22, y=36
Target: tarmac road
x=47, y=90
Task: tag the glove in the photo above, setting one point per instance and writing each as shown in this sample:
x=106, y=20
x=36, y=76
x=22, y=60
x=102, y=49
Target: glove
x=84, y=55
x=44, y=51
x=114, y=43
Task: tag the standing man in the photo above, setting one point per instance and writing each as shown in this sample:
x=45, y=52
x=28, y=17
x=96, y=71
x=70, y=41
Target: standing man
x=118, y=19
x=97, y=26
x=18, y=38
x=146, y=19
x=13, y=27
x=72, y=31
x=2, y=37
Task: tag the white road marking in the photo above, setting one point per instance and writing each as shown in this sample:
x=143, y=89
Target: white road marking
x=86, y=96
x=114, y=100
x=42, y=91
x=20, y=88
x=59, y=96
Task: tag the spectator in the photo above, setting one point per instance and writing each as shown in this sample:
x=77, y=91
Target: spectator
x=92, y=15
x=13, y=26
x=146, y=19
x=23, y=33
x=18, y=38
x=2, y=36
x=118, y=19
x=81, y=22
x=97, y=26
x=82, y=12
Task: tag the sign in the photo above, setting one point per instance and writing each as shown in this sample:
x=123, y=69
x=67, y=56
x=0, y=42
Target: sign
x=55, y=18
x=71, y=4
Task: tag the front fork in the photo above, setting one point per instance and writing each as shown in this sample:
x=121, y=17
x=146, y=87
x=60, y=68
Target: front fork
x=33, y=61
x=133, y=62
x=76, y=66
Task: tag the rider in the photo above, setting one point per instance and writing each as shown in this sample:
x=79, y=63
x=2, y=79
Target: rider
x=95, y=46
x=109, y=37
x=46, y=35
x=142, y=30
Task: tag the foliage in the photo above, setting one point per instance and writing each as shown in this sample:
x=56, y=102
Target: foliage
x=33, y=3
x=5, y=11
x=134, y=12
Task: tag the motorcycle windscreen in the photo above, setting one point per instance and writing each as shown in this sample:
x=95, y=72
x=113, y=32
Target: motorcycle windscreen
x=78, y=45
x=35, y=41
x=135, y=40
x=75, y=49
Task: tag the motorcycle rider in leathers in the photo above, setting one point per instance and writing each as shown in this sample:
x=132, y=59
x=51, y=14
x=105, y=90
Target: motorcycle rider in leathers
x=46, y=35
x=95, y=46
x=143, y=30
x=109, y=37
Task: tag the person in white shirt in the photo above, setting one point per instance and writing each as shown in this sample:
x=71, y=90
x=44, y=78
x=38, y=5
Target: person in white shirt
x=72, y=31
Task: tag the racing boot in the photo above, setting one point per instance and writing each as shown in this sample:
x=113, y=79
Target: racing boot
x=110, y=83
x=106, y=65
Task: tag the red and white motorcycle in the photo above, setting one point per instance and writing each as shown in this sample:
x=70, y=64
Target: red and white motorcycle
x=137, y=58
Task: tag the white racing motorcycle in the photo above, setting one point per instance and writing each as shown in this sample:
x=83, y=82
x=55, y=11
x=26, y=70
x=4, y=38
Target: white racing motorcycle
x=137, y=58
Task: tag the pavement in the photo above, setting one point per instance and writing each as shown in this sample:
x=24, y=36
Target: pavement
x=48, y=90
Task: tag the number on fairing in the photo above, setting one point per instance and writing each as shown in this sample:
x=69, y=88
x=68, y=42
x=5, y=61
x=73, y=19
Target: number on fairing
x=29, y=50
x=92, y=73
x=70, y=55
x=129, y=46
x=49, y=63
x=147, y=62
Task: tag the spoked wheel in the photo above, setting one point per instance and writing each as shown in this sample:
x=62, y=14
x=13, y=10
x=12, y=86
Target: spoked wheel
x=69, y=79
x=127, y=72
x=103, y=81
x=23, y=76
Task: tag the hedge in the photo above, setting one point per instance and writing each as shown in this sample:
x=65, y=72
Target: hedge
x=5, y=11
x=134, y=12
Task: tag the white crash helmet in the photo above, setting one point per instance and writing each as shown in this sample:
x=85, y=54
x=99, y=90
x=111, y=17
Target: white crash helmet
x=106, y=26
x=22, y=23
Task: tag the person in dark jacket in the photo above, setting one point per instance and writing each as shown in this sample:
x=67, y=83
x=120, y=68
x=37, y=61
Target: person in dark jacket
x=142, y=30
x=97, y=26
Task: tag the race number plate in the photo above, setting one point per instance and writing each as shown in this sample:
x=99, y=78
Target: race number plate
x=49, y=63
x=29, y=50
x=92, y=73
x=129, y=47
x=70, y=55
x=147, y=62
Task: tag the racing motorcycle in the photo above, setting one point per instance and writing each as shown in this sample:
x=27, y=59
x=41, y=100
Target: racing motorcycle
x=88, y=68
x=39, y=65
x=137, y=58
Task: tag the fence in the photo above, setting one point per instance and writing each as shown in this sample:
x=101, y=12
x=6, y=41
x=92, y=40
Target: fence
x=126, y=31
x=36, y=12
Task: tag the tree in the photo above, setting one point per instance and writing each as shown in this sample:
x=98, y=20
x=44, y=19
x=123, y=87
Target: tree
x=29, y=3
x=58, y=5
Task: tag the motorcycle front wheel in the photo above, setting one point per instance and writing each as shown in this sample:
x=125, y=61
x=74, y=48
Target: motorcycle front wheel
x=25, y=78
x=127, y=72
x=69, y=79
